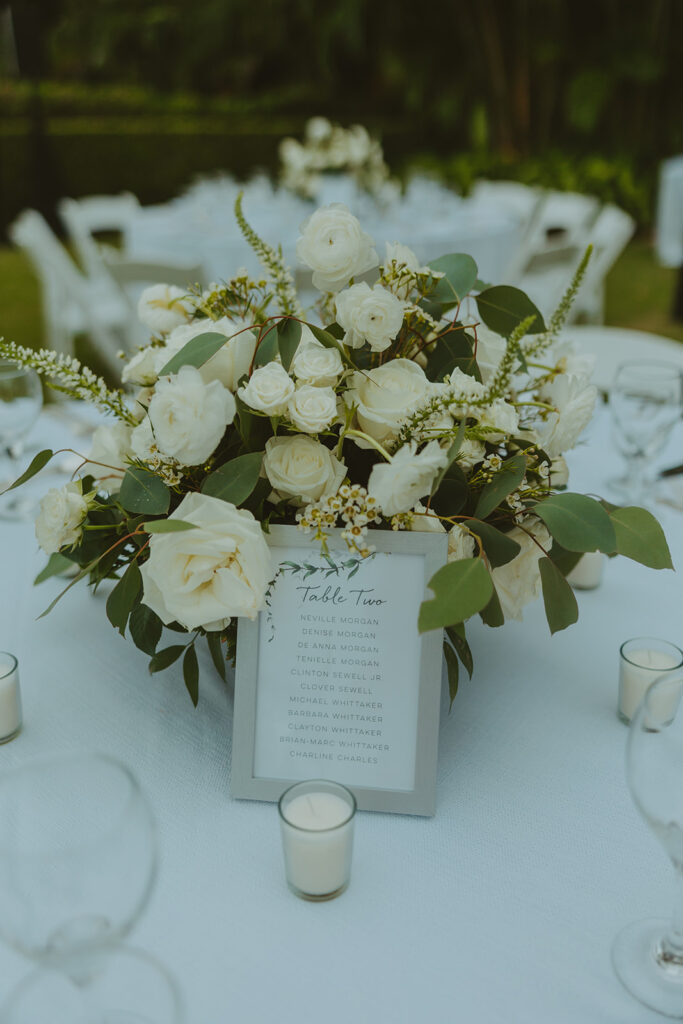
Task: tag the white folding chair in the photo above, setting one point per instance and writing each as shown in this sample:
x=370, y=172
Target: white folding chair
x=610, y=234
x=83, y=218
x=133, y=276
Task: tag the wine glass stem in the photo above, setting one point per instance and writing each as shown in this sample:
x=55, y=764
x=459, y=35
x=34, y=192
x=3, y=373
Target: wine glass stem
x=636, y=486
x=672, y=944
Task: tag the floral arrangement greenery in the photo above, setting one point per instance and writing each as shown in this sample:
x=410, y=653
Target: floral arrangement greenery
x=428, y=401
x=330, y=147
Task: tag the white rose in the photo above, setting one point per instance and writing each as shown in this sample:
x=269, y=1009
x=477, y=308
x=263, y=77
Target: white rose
x=315, y=364
x=268, y=390
x=163, y=307
x=574, y=398
x=111, y=446
x=425, y=521
x=312, y=409
x=61, y=515
x=369, y=314
x=335, y=247
x=461, y=543
x=385, y=396
x=398, y=484
x=519, y=581
x=206, y=576
x=301, y=467
x=189, y=417
x=502, y=417
x=229, y=364
x=142, y=368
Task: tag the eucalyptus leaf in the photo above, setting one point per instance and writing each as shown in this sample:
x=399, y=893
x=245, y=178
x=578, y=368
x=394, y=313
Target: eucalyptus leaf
x=329, y=341
x=461, y=589
x=508, y=477
x=456, y=635
x=195, y=352
x=492, y=615
x=503, y=307
x=577, y=522
x=143, y=492
x=453, y=670
x=499, y=547
x=56, y=564
x=122, y=598
x=563, y=559
x=235, y=480
x=460, y=275
x=213, y=639
x=145, y=628
x=454, y=350
x=162, y=659
x=640, y=537
x=561, y=609
x=451, y=456
x=167, y=526
x=268, y=349
x=191, y=674
x=288, y=338
x=453, y=492
x=37, y=463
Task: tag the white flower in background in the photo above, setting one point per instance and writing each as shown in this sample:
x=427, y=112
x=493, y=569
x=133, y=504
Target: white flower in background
x=163, y=307
x=461, y=543
x=315, y=364
x=385, y=396
x=229, y=364
x=369, y=314
x=312, y=409
x=398, y=484
x=559, y=472
x=111, y=446
x=59, y=521
x=268, y=390
x=318, y=129
x=490, y=350
x=519, y=581
x=574, y=399
x=188, y=417
x=300, y=467
x=335, y=247
x=206, y=576
x=501, y=417
x=423, y=520
x=142, y=368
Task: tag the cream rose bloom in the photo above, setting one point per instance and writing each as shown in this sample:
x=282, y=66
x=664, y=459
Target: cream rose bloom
x=268, y=390
x=60, y=518
x=312, y=409
x=461, y=543
x=519, y=581
x=229, y=364
x=142, y=368
x=371, y=315
x=188, y=417
x=574, y=399
x=315, y=364
x=163, y=307
x=385, y=396
x=111, y=446
x=398, y=484
x=335, y=247
x=206, y=576
x=302, y=468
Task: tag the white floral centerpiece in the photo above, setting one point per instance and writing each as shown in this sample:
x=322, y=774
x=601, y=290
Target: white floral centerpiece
x=429, y=401
x=328, y=147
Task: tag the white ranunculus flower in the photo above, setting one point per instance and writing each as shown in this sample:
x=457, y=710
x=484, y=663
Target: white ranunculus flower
x=425, y=521
x=461, y=543
x=559, y=472
x=268, y=390
x=574, y=398
x=490, y=350
x=315, y=364
x=335, y=247
x=111, y=446
x=369, y=314
x=398, y=484
x=162, y=307
x=312, y=409
x=59, y=521
x=300, y=467
x=502, y=417
x=205, y=577
x=229, y=364
x=385, y=396
x=142, y=368
x=519, y=581
x=189, y=417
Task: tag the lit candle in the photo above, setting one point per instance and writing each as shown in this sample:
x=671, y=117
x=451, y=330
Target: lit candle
x=587, y=573
x=316, y=820
x=642, y=662
x=10, y=698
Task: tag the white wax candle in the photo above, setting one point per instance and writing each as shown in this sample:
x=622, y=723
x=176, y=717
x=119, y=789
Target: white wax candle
x=587, y=573
x=317, y=846
x=10, y=699
x=635, y=679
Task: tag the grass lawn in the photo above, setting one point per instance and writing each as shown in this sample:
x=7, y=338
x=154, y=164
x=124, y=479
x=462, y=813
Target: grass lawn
x=639, y=295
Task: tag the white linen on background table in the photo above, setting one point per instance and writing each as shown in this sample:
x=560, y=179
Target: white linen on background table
x=501, y=909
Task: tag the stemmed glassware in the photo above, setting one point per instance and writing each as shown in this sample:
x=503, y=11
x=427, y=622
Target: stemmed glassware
x=21, y=399
x=646, y=400
x=648, y=955
x=78, y=861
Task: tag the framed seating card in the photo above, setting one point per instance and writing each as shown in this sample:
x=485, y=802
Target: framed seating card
x=334, y=681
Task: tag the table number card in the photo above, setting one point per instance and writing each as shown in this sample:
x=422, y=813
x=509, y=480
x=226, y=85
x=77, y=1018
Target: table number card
x=333, y=679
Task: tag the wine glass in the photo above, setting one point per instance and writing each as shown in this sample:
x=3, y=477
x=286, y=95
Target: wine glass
x=78, y=861
x=645, y=402
x=648, y=955
x=21, y=399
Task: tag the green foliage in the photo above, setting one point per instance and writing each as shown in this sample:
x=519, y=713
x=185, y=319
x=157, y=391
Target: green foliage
x=145, y=628
x=561, y=608
x=453, y=670
x=499, y=547
x=577, y=522
x=235, y=480
x=143, y=492
x=37, y=463
x=640, y=537
x=191, y=674
x=195, y=352
x=168, y=526
x=502, y=308
x=460, y=272
x=123, y=597
x=461, y=589
x=505, y=481
x=56, y=564
x=288, y=338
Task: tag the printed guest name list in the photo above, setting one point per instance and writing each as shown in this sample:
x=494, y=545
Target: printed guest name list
x=338, y=670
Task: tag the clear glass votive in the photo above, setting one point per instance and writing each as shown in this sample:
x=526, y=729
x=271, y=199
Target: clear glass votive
x=316, y=820
x=10, y=697
x=642, y=662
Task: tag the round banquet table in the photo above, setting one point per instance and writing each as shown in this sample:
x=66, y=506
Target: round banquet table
x=500, y=909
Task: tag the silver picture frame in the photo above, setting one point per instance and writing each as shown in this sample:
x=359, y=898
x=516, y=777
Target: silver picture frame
x=420, y=799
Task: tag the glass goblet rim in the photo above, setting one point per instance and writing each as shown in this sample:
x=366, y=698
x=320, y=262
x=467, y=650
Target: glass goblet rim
x=13, y=666
x=332, y=786
x=10, y=369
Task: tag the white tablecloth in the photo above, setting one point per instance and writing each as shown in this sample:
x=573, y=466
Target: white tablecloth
x=501, y=909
